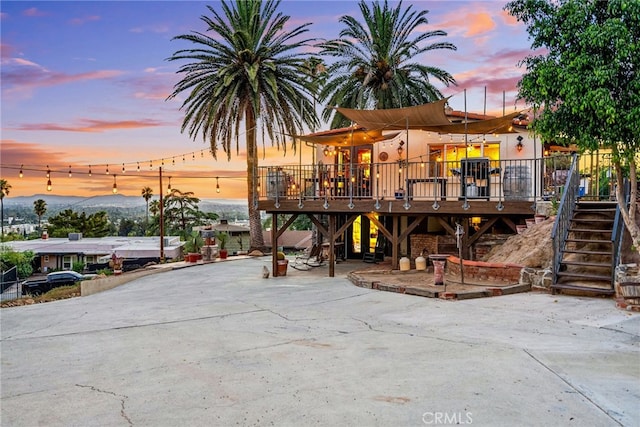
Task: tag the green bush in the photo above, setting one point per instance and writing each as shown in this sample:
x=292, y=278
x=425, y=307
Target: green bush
x=21, y=260
x=78, y=266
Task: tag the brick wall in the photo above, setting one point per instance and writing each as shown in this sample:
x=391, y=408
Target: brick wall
x=509, y=273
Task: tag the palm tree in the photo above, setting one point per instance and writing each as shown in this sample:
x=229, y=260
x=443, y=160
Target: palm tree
x=4, y=191
x=147, y=193
x=154, y=207
x=181, y=209
x=377, y=63
x=247, y=72
x=40, y=208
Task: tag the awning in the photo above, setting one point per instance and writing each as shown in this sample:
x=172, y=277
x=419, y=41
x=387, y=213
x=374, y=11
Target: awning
x=502, y=124
x=350, y=136
x=427, y=117
x=416, y=117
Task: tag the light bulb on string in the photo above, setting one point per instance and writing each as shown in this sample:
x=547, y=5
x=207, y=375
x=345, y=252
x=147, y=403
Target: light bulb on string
x=183, y=160
x=89, y=170
x=48, y=172
x=162, y=162
x=20, y=174
x=123, y=169
x=421, y=162
x=48, y=185
x=173, y=161
x=115, y=185
x=217, y=185
x=202, y=153
x=70, y=171
x=138, y=166
x=169, y=186
x=193, y=156
x=150, y=164
x=107, y=171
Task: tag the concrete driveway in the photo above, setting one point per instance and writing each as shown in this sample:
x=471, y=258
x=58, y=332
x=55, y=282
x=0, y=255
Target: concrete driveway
x=218, y=345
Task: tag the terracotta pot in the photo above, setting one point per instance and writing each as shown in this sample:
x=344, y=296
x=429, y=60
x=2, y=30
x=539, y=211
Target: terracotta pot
x=223, y=253
x=282, y=267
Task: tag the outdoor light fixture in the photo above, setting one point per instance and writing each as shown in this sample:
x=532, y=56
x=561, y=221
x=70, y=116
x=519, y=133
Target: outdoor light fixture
x=123, y=168
x=107, y=171
x=48, y=185
x=115, y=186
x=48, y=172
x=326, y=151
x=217, y=185
x=138, y=166
x=89, y=170
x=169, y=186
x=20, y=174
x=519, y=145
x=69, y=171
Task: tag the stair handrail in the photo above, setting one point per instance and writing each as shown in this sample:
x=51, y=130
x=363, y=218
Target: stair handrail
x=560, y=229
x=618, y=230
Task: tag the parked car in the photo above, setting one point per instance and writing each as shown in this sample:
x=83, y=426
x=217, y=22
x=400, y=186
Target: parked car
x=53, y=280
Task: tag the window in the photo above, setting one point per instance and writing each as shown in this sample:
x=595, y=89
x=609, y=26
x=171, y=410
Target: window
x=66, y=262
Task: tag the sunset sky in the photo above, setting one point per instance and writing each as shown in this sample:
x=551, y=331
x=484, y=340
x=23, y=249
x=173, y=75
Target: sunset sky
x=84, y=84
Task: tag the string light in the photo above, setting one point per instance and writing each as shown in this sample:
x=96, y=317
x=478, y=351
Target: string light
x=69, y=171
x=169, y=186
x=421, y=162
x=48, y=173
x=20, y=174
x=193, y=156
x=123, y=168
x=49, y=185
x=183, y=160
x=173, y=161
x=115, y=185
x=89, y=170
x=150, y=164
x=107, y=171
x=202, y=153
x=138, y=166
x=217, y=185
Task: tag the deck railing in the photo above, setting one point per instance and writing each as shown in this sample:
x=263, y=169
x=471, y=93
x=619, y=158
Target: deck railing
x=472, y=178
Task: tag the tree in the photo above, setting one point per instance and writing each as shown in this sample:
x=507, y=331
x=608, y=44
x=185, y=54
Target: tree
x=181, y=211
x=4, y=191
x=40, y=208
x=147, y=194
x=68, y=221
x=376, y=64
x=584, y=79
x=247, y=72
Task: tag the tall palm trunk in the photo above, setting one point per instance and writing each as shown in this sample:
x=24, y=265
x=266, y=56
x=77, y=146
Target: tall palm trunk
x=255, y=225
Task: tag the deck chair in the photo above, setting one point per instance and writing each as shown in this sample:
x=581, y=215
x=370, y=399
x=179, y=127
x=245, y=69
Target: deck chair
x=378, y=251
x=313, y=258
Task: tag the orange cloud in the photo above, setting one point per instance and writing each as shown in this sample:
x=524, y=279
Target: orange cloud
x=469, y=24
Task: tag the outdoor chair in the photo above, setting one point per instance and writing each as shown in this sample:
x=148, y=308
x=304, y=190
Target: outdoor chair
x=313, y=258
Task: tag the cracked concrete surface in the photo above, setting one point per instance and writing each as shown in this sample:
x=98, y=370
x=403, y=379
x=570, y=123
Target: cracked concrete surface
x=218, y=345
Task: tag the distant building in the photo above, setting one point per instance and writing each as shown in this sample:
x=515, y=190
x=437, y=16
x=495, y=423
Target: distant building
x=62, y=253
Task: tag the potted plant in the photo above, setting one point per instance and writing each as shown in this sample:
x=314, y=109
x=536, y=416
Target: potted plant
x=222, y=238
x=283, y=263
x=193, y=244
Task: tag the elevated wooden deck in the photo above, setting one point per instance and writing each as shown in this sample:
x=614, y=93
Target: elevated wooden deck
x=405, y=195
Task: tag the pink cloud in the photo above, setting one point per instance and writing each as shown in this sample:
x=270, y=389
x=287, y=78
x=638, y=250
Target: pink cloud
x=89, y=125
x=33, y=11
x=84, y=20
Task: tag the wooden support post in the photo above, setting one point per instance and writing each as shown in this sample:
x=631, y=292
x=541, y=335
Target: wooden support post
x=274, y=245
x=332, y=246
x=395, y=243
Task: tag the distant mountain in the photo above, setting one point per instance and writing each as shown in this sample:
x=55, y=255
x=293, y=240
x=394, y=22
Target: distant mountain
x=224, y=207
x=114, y=200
